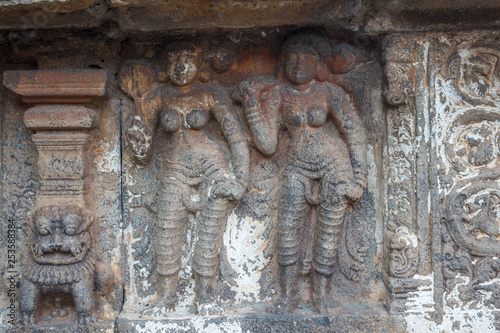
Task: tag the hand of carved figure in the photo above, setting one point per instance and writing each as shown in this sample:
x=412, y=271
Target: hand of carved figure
x=230, y=189
x=140, y=137
x=253, y=91
x=249, y=92
x=354, y=191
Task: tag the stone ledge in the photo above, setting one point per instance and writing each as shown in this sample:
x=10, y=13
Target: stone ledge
x=54, y=6
x=99, y=327
x=368, y=319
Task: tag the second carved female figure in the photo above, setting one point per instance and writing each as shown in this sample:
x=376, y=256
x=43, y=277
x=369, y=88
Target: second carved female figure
x=325, y=168
x=195, y=162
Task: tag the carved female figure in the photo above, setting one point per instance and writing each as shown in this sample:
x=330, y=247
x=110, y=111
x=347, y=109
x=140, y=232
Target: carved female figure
x=325, y=169
x=194, y=161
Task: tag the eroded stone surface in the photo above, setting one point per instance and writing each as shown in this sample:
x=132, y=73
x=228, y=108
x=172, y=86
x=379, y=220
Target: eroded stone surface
x=417, y=252
x=59, y=6
x=64, y=280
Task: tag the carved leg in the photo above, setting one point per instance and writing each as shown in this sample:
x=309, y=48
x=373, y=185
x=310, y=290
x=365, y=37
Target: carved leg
x=330, y=219
x=30, y=295
x=173, y=217
x=103, y=282
x=288, y=301
x=206, y=254
x=83, y=297
x=292, y=215
x=320, y=292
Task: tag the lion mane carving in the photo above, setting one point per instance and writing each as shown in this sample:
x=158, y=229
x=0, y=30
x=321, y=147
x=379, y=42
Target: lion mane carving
x=61, y=259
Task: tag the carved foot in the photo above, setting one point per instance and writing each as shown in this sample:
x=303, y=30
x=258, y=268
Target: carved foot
x=161, y=305
x=85, y=319
x=324, y=305
x=59, y=313
x=208, y=306
x=285, y=305
x=27, y=319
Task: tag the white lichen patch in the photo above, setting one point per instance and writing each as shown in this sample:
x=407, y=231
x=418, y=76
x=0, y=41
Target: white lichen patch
x=107, y=157
x=198, y=325
x=132, y=296
x=459, y=316
x=222, y=327
x=245, y=242
x=159, y=327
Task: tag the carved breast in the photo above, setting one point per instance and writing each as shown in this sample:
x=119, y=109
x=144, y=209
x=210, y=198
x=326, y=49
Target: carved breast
x=173, y=120
x=304, y=109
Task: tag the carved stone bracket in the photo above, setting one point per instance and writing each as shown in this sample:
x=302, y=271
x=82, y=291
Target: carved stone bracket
x=62, y=259
x=61, y=124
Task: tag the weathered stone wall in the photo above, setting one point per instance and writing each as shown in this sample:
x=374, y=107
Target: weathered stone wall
x=416, y=252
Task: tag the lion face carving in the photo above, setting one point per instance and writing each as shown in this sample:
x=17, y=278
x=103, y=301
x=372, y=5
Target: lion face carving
x=60, y=234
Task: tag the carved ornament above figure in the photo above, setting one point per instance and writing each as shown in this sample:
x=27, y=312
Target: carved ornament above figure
x=58, y=86
x=61, y=123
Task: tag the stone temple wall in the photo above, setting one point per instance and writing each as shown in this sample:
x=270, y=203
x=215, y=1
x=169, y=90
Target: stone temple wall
x=250, y=166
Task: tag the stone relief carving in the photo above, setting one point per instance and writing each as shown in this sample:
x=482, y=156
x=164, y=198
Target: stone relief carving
x=197, y=177
x=63, y=281
x=403, y=254
x=471, y=244
x=471, y=144
x=479, y=74
x=403, y=251
x=62, y=260
x=469, y=168
x=325, y=170
x=192, y=245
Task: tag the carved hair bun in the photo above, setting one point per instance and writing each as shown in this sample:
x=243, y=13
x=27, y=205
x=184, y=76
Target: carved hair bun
x=343, y=58
x=221, y=59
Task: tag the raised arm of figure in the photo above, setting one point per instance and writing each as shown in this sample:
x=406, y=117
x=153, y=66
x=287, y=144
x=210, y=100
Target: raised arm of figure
x=261, y=101
x=350, y=124
x=225, y=115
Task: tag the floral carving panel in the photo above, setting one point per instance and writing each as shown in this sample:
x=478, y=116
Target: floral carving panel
x=467, y=130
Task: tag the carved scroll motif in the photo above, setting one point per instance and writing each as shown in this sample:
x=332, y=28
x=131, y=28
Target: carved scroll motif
x=61, y=263
x=403, y=256
x=479, y=74
x=469, y=128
